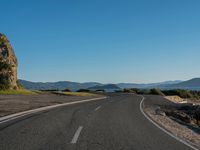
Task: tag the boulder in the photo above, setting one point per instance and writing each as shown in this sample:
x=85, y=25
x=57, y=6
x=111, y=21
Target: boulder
x=8, y=65
x=180, y=116
x=160, y=112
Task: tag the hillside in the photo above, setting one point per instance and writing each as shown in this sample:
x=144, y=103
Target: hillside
x=61, y=85
x=148, y=85
x=107, y=87
x=193, y=84
x=8, y=65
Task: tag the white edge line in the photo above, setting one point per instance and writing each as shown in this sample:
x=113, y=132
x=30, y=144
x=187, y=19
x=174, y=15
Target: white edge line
x=97, y=108
x=24, y=113
x=76, y=135
x=164, y=130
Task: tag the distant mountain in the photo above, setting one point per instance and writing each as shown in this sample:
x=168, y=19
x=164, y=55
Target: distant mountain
x=193, y=84
x=61, y=85
x=106, y=87
x=149, y=85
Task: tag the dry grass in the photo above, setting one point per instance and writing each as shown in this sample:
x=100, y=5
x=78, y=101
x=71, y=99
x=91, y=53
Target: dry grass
x=175, y=99
x=18, y=92
x=79, y=94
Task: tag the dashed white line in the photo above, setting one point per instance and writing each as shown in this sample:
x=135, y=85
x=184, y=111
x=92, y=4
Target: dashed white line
x=37, y=110
x=97, y=108
x=76, y=135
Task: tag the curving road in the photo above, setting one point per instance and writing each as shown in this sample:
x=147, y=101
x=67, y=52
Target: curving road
x=115, y=123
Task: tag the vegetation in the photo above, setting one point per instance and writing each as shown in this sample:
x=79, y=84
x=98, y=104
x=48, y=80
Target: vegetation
x=4, y=82
x=6, y=72
x=196, y=94
x=100, y=90
x=66, y=90
x=156, y=92
x=79, y=94
x=179, y=92
x=83, y=90
x=20, y=86
x=18, y=92
x=128, y=91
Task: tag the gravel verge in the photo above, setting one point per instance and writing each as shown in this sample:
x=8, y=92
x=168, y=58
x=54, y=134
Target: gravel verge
x=153, y=108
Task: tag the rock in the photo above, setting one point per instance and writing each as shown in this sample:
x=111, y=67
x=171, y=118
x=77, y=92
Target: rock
x=160, y=112
x=180, y=115
x=8, y=65
x=197, y=115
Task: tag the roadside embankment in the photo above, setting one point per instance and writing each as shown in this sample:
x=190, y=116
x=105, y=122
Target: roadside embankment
x=182, y=120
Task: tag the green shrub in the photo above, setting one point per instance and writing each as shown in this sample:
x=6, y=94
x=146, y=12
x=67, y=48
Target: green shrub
x=83, y=90
x=6, y=72
x=4, y=81
x=181, y=93
x=19, y=85
x=100, y=90
x=144, y=91
x=156, y=92
x=128, y=91
x=66, y=90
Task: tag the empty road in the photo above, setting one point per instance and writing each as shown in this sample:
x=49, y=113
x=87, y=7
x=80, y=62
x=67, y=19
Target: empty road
x=115, y=123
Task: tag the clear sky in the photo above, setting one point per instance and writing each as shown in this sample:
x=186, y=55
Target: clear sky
x=104, y=40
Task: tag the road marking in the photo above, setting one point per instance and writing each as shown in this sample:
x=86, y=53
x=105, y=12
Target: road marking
x=33, y=111
x=76, y=135
x=164, y=130
x=97, y=108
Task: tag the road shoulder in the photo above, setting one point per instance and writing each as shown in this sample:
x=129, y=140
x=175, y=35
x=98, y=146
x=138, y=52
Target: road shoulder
x=174, y=129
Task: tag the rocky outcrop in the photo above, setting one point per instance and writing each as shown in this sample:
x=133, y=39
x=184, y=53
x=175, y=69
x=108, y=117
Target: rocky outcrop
x=8, y=65
x=188, y=113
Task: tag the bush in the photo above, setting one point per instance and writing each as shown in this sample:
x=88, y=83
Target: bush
x=19, y=85
x=179, y=92
x=128, y=91
x=196, y=94
x=83, y=90
x=136, y=91
x=4, y=65
x=144, y=91
x=100, y=90
x=156, y=92
x=6, y=72
x=66, y=90
x=4, y=81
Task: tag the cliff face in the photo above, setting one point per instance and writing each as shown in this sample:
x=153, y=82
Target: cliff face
x=8, y=65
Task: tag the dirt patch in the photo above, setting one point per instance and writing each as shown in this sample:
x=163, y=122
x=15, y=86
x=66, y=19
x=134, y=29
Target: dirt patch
x=175, y=99
x=10, y=104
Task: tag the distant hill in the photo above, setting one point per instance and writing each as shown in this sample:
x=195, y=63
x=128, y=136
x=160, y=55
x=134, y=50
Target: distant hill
x=106, y=87
x=61, y=85
x=149, y=85
x=193, y=84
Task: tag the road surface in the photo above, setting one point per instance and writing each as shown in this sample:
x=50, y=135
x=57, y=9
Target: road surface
x=115, y=123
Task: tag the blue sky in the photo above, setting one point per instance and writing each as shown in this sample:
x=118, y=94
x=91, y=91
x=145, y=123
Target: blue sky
x=104, y=40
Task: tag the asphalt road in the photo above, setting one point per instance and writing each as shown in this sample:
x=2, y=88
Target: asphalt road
x=115, y=123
